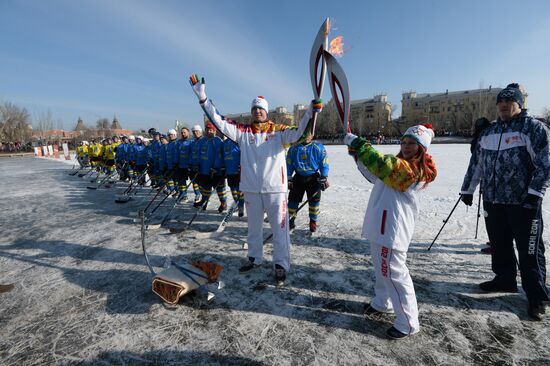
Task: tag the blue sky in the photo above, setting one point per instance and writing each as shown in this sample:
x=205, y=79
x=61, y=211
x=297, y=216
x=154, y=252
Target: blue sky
x=99, y=58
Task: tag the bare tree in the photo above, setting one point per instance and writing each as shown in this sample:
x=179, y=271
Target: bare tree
x=44, y=121
x=14, y=123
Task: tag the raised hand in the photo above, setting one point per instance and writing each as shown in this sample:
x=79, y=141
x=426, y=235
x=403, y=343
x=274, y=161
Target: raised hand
x=198, y=85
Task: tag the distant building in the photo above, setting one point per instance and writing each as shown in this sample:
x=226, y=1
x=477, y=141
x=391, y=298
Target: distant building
x=450, y=112
x=81, y=132
x=56, y=135
x=116, y=125
x=80, y=126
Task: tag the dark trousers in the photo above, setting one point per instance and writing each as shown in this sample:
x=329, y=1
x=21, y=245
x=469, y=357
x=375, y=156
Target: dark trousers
x=309, y=185
x=207, y=182
x=506, y=224
x=138, y=171
x=181, y=175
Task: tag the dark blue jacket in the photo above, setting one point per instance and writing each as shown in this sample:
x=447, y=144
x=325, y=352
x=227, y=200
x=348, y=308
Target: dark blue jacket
x=231, y=157
x=210, y=153
x=184, y=152
x=511, y=160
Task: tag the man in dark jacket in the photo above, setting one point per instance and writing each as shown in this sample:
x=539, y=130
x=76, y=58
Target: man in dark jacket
x=512, y=160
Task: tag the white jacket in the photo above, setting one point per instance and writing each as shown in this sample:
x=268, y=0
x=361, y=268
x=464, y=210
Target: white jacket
x=262, y=145
x=391, y=215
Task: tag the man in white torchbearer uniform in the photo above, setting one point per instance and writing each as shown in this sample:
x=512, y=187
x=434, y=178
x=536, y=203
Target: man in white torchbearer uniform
x=264, y=180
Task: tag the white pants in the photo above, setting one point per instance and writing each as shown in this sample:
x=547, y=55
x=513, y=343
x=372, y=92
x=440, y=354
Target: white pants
x=394, y=290
x=275, y=205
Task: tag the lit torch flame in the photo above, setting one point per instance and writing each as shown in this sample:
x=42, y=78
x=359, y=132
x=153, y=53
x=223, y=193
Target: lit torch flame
x=337, y=46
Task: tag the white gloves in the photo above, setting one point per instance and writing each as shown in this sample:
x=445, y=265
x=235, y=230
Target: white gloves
x=198, y=86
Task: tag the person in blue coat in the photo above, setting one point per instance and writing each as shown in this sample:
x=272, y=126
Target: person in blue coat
x=232, y=165
x=120, y=159
x=309, y=161
x=140, y=159
x=182, y=172
x=210, y=167
x=172, y=158
x=161, y=160
x=154, y=151
x=194, y=159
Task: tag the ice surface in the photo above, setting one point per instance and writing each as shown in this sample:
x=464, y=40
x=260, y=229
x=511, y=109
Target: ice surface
x=82, y=289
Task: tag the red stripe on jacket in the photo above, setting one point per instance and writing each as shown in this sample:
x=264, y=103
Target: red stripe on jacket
x=383, y=224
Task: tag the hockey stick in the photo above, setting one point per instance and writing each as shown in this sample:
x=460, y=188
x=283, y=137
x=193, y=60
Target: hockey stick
x=156, y=226
x=222, y=225
x=159, y=191
x=73, y=173
x=103, y=181
x=445, y=222
x=87, y=173
x=318, y=66
x=164, y=199
x=339, y=88
x=117, y=171
x=178, y=199
x=125, y=196
x=478, y=209
x=96, y=177
x=186, y=227
x=142, y=217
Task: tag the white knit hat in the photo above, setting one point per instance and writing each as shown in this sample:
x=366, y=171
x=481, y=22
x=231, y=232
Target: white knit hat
x=196, y=128
x=131, y=137
x=260, y=102
x=172, y=132
x=140, y=137
x=423, y=134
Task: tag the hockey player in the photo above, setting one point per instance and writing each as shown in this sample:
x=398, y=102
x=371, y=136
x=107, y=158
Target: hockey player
x=130, y=158
x=390, y=219
x=182, y=174
x=121, y=159
x=161, y=161
x=194, y=159
x=309, y=161
x=263, y=174
x=109, y=157
x=102, y=156
x=94, y=152
x=82, y=154
x=232, y=165
x=513, y=163
x=140, y=159
x=116, y=143
x=153, y=157
x=172, y=158
x=210, y=167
